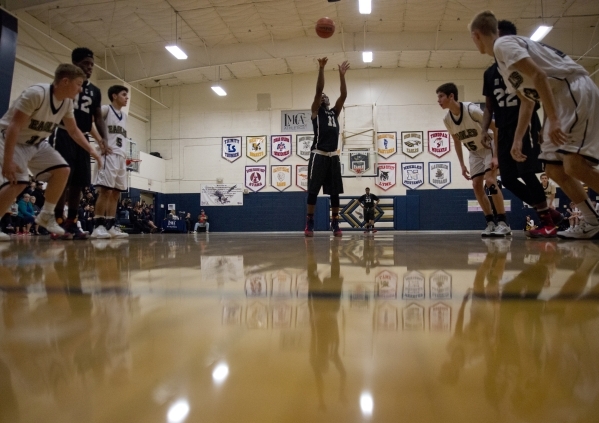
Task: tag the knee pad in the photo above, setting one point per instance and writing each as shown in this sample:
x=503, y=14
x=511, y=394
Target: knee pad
x=312, y=199
x=335, y=200
x=492, y=189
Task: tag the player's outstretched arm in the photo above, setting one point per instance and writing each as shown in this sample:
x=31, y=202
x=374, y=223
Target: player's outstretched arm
x=9, y=167
x=343, y=67
x=79, y=138
x=319, y=86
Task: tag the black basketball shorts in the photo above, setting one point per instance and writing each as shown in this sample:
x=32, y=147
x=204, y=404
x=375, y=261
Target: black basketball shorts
x=78, y=159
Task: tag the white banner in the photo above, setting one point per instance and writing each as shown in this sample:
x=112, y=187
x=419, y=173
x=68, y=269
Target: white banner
x=386, y=144
x=255, y=177
x=303, y=145
x=412, y=143
x=386, y=175
x=301, y=176
x=439, y=174
x=281, y=146
x=231, y=148
x=222, y=195
x=412, y=174
x=280, y=177
x=438, y=143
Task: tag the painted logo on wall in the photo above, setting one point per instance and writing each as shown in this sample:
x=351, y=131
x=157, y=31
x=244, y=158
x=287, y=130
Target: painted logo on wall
x=231, y=148
x=255, y=147
x=412, y=143
x=280, y=146
x=412, y=174
x=439, y=174
x=301, y=176
x=386, y=144
x=280, y=177
x=296, y=120
x=386, y=175
x=303, y=145
x=438, y=143
x=255, y=177
x=359, y=161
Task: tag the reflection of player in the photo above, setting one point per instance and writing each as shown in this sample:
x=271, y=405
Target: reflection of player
x=324, y=298
x=324, y=167
x=369, y=202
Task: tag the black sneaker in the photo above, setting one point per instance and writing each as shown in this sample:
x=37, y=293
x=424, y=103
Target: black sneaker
x=70, y=227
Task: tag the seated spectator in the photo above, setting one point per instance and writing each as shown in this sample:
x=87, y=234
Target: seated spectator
x=25, y=214
x=39, y=195
x=149, y=220
x=35, y=230
x=574, y=215
x=188, y=223
x=202, y=222
x=530, y=224
x=172, y=215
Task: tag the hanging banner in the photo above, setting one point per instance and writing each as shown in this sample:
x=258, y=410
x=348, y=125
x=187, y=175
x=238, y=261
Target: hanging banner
x=301, y=176
x=438, y=143
x=231, y=148
x=296, y=120
x=386, y=175
x=412, y=174
x=221, y=195
x=413, y=286
x=439, y=174
x=280, y=146
x=280, y=177
x=412, y=143
x=255, y=177
x=386, y=144
x=303, y=145
x=385, y=285
x=255, y=147
x=440, y=285
x=359, y=160
x=439, y=318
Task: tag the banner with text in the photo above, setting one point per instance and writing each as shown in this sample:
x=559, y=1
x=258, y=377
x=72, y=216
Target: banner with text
x=255, y=177
x=222, y=195
x=231, y=148
x=255, y=147
x=280, y=146
x=280, y=177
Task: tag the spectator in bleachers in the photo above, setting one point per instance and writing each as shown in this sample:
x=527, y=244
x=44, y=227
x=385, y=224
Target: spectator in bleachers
x=35, y=229
x=26, y=214
x=148, y=220
x=38, y=193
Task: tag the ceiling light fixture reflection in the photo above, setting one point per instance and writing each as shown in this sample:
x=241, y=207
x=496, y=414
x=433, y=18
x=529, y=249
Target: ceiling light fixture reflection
x=366, y=404
x=541, y=32
x=365, y=7
x=178, y=412
x=177, y=52
x=218, y=89
x=220, y=373
x=367, y=56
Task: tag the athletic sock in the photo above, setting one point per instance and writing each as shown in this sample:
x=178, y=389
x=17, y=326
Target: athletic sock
x=501, y=217
x=99, y=221
x=310, y=216
x=489, y=218
x=110, y=222
x=588, y=212
x=49, y=208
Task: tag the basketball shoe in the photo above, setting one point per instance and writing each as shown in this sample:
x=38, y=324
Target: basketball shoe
x=309, y=230
x=48, y=221
x=489, y=229
x=502, y=229
x=582, y=231
x=100, y=232
x=116, y=232
x=543, y=232
x=335, y=227
x=70, y=227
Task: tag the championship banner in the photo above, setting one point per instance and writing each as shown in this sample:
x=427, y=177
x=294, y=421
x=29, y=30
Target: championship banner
x=280, y=146
x=412, y=174
x=438, y=143
x=386, y=175
x=255, y=177
x=301, y=176
x=221, y=195
x=386, y=144
x=439, y=174
x=231, y=148
x=280, y=177
x=255, y=147
x=359, y=160
x=412, y=143
x=303, y=144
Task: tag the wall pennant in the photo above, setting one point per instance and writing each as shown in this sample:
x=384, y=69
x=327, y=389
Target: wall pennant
x=255, y=147
x=439, y=174
x=301, y=176
x=280, y=146
x=386, y=144
x=438, y=143
x=412, y=174
x=412, y=143
x=280, y=177
x=231, y=148
x=303, y=145
x=255, y=177
x=386, y=175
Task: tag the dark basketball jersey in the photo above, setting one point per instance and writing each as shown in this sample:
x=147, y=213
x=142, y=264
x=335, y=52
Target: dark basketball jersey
x=326, y=130
x=368, y=200
x=86, y=103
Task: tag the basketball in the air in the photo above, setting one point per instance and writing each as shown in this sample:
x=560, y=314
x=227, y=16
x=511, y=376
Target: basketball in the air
x=325, y=27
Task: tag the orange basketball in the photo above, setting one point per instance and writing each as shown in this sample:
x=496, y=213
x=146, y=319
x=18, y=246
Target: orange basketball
x=325, y=27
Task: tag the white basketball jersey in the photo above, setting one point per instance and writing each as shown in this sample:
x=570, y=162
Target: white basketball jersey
x=513, y=48
x=116, y=122
x=466, y=127
x=45, y=113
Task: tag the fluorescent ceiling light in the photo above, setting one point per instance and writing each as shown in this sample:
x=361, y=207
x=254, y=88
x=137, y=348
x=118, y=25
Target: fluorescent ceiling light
x=367, y=56
x=217, y=89
x=365, y=7
x=541, y=32
x=177, y=52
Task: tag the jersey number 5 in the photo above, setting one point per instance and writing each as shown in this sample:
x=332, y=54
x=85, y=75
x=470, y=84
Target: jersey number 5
x=119, y=142
x=510, y=99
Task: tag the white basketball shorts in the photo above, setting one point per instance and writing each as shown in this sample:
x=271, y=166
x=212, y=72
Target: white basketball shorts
x=480, y=162
x=113, y=173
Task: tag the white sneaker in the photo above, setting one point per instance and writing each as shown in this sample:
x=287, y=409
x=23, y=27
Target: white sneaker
x=502, y=229
x=582, y=231
x=489, y=229
x=100, y=232
x=4, y=237
x=115, y=232
x=47, y=220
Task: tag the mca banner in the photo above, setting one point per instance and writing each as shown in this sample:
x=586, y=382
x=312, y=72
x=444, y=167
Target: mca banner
x=359, y=161
x=280, y=146
x=303, y=145
x=255, y=147
x=412, y=143
x=439, y=174
x=296, y=120
x=222, y=195
x=301, y=176
x=231, y=148
x=255, y=177
x=386, y=144
x=386, y=175
x=280, y=177
x=412, y=174
x=438, y=143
